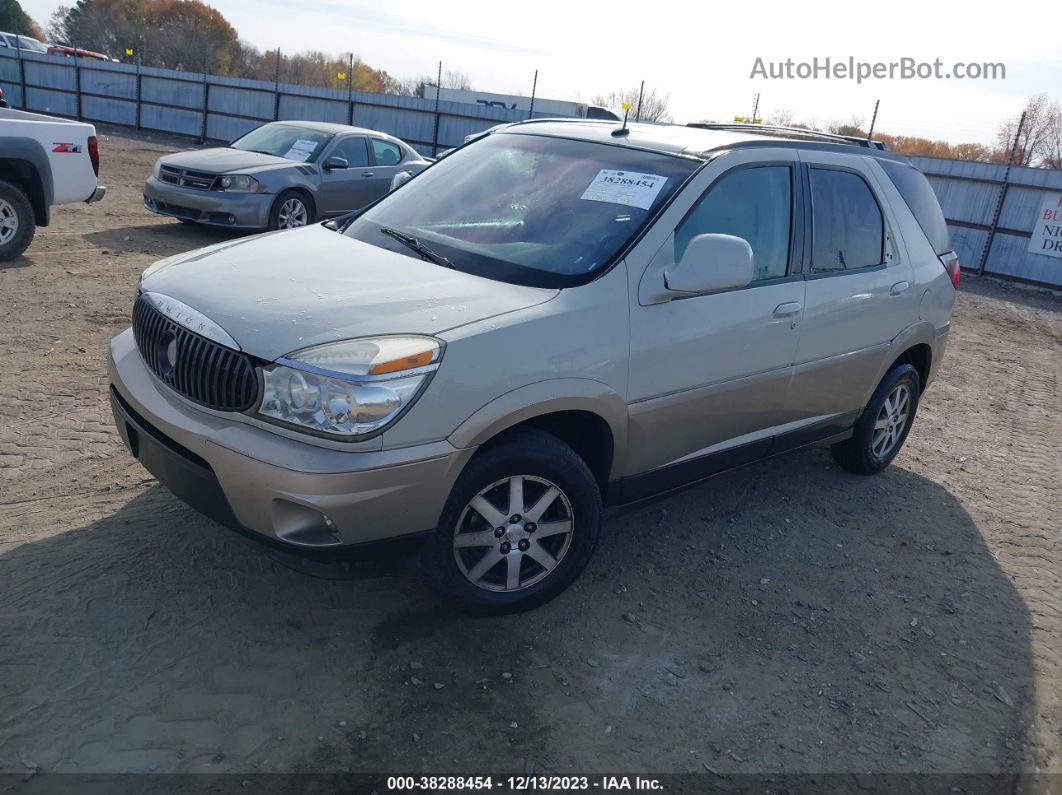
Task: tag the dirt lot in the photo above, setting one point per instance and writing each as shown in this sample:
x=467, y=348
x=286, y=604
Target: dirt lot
x=788, y=617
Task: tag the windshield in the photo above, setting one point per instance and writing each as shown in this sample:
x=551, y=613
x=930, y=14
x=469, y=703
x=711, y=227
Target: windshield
x=528, y=209
x=284, y=140
x=26, y=43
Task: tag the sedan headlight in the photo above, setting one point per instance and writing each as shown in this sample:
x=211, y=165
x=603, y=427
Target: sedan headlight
x=239, y=183
x=348, y=389
x=158, y=168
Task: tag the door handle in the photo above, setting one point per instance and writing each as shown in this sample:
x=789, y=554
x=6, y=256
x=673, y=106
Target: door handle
x=367, y=174
x=899, y=288
x=787, y=309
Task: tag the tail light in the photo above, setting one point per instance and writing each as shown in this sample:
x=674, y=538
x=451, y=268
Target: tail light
x=950, y=261
x=94, y=153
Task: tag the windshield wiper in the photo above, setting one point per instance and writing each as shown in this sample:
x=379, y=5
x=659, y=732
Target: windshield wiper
x=411, y=242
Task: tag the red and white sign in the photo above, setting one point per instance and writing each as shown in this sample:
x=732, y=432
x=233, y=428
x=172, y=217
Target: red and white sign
x=1047, y=234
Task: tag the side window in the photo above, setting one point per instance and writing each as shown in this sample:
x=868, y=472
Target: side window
x=847, y=228
x=353, y=151
x=386, y=153
x=752, y=203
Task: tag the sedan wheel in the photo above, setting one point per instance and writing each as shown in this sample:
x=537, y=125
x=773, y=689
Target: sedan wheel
x=293, y=213
x=513, y=533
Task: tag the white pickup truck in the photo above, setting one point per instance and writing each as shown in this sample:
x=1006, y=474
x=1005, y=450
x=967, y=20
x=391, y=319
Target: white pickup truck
x=43, y=161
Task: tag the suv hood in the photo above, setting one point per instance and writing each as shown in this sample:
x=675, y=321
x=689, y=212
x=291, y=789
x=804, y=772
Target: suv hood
x=222, y=159
x=283, y=291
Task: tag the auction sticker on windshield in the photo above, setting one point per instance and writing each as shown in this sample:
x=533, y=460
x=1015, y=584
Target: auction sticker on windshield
x=301, y=150
x=625, y=187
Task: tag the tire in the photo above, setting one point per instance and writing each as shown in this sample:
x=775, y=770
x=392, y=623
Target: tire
x=542, y=462
x=871, y=448
x=286, y=203
x=17, y=222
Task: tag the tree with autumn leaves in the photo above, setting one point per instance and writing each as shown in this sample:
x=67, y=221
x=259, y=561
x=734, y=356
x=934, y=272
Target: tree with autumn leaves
x=192, y=36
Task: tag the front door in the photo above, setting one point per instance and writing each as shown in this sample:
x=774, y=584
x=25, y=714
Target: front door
x=709, y=373
x=346, y=189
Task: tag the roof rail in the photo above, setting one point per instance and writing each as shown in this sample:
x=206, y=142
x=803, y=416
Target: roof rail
x=792, y=132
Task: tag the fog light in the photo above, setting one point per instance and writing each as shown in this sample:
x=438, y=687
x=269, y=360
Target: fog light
x=303, y=525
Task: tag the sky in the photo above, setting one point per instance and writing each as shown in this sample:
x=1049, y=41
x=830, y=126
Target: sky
x=701, y=55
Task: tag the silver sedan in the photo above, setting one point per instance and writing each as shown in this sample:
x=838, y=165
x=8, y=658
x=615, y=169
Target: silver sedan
x=279, y=176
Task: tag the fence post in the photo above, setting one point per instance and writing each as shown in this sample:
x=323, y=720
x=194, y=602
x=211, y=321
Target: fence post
x=1002, y=197
x=276, y=89
x=350, y=90
x=21, y=75
x=435, y=135
x=139, y=85
x=77, y=81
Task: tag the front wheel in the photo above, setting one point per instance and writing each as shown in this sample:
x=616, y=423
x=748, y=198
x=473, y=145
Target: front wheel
x=290, y=211
x=17, y=223
x=519, y=526
x=886, y=421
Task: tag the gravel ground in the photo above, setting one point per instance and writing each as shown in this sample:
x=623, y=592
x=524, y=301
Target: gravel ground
x=788, y=617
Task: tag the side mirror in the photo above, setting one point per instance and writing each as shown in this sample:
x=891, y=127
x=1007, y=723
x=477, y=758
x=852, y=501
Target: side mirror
x=400, y=179
x=711, y=263
x=335, y=162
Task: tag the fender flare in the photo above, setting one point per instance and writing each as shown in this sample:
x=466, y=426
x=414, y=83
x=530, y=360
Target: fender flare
x=30, y=152
x=922, y=332
x=547, y=397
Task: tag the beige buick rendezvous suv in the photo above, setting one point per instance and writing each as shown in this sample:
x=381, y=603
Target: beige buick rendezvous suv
x=557, y=318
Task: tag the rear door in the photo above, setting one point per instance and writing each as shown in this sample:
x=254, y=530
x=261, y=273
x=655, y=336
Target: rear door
x=859, y=290
x=343, y=190
x=387, y=160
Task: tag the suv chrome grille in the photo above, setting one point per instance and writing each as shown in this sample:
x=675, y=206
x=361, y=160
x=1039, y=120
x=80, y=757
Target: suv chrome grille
x=191, y=365
x=186, y=178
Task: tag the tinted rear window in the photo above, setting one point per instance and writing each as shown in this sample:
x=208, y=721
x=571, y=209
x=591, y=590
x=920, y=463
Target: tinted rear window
x=918, y=194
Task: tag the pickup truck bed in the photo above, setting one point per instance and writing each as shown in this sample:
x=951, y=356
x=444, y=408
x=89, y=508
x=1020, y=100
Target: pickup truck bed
x=43, y=161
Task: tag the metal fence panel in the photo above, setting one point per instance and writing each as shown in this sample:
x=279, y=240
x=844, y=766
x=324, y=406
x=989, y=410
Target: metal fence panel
x=241, y=102
x=968, y=193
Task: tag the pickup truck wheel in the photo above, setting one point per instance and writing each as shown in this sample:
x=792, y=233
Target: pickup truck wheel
x=519, y=526
x=886, y=421
x=17, y=223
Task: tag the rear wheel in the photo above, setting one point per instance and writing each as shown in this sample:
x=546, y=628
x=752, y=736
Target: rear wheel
x=518, y=527
x=886, y=421
x=17, y=223
x=290, y=211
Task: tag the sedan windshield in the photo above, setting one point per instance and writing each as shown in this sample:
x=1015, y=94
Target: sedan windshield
x=26, y=43
x=284, y=140
x=528, y=209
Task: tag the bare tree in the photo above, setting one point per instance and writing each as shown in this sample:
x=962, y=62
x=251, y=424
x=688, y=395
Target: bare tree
x=782, y=117
x=653, y=108
x=1036, y=143
x=458, y=80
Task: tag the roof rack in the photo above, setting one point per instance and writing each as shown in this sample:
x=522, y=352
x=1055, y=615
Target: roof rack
x=793, y=132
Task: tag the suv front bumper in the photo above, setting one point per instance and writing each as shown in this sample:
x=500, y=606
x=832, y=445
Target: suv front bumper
x=285, y=490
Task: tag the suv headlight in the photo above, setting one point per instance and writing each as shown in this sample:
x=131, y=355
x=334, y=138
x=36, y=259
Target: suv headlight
x=239, y=183
x=348, y=389
x=158, y=168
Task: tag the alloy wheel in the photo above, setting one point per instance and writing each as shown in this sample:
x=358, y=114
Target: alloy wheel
x=891, y=420
x=8, y=222
x=292, y=214
x=513, y=533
